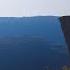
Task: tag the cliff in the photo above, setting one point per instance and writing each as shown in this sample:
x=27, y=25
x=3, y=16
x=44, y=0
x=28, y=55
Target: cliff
x=65, y=24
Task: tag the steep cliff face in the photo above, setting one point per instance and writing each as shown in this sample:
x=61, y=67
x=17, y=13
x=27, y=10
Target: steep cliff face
x=65, y=24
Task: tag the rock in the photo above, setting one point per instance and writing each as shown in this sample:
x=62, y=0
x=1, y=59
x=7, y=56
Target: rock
x=65, y=24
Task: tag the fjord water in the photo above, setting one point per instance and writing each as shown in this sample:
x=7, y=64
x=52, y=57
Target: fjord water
x=32, y=43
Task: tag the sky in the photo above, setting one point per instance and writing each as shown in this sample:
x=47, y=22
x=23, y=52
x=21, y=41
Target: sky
x=19, y=8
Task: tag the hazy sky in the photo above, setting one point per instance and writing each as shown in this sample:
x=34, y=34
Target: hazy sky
x=34, y=7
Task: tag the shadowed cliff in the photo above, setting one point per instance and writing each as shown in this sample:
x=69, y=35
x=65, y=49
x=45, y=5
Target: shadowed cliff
x=65, y=24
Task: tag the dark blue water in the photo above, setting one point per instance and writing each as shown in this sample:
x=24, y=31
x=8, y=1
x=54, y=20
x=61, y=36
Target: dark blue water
x=32, y=44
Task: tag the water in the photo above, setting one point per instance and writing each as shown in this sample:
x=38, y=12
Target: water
x=32, y=44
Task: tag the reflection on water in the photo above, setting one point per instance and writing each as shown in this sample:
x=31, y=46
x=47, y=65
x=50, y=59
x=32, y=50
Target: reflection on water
x=31, y=54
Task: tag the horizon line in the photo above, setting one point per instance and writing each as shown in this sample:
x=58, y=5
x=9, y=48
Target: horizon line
x=34, y=16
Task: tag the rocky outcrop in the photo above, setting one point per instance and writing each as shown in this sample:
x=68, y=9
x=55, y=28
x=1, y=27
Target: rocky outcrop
x=65, y=24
